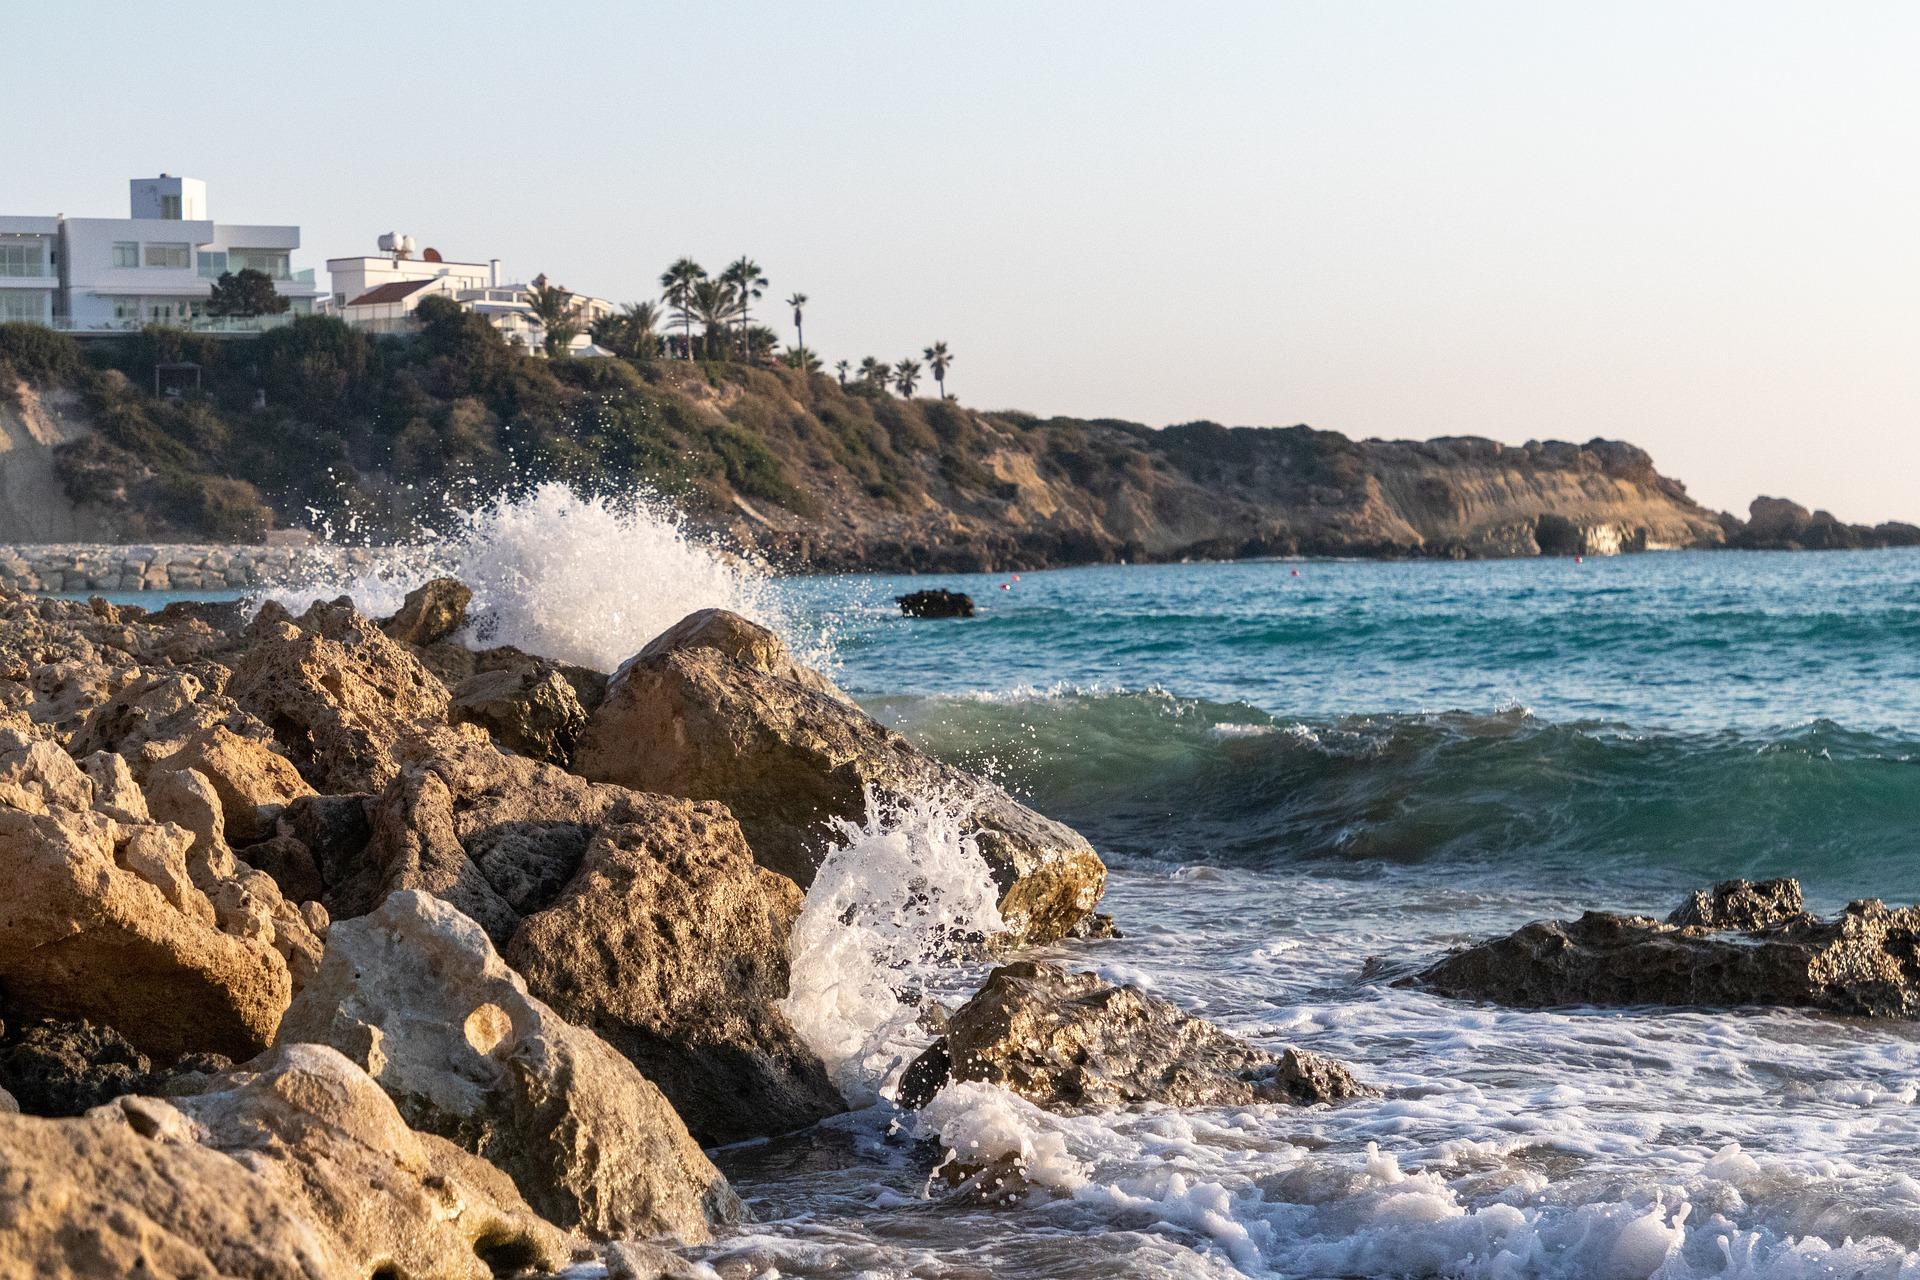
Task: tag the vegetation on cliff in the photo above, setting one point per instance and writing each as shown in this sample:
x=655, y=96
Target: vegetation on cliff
x=316, y=424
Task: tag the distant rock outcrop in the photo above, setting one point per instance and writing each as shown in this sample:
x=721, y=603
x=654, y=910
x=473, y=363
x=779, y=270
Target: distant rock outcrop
x=1776, y=524
x=1736, y=944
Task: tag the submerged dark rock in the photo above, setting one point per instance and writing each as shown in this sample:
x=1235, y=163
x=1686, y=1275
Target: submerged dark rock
x=1071, y=1041
x=1737, y=944
x=937, y=603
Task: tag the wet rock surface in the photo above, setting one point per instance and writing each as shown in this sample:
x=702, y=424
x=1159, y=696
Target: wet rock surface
x=1738, y=944
x=937, y=603
x=1074, y=1042
x=688, y=719
x=671, y=943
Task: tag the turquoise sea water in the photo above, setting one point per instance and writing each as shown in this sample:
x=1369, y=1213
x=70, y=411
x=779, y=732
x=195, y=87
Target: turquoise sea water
x=1307, y=778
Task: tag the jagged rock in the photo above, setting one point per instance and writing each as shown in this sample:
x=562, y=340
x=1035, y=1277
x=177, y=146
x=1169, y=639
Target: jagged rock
x=155, y=712
x=671, y=944
x=40, y=777
x=82, y=936
x=291, y=864
x=495, y=835
x=1741, y=904
x=1865, y=962
x=296, y=1167
x=688, y=719
x=733, y=636
x=638, y=1260
x=937, y=603
x=334, y=830
x=533, y=711
x=1071, y=1041
x=185, y=798
x=53, y=1067
x=115, y=793
x=416, y=995
x=248, y=776
x=341, y=697
x=8, y=1107
x=431, y=612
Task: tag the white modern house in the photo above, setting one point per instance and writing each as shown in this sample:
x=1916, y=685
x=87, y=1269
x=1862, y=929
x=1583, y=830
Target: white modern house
x=379, y=293
x=157, y=266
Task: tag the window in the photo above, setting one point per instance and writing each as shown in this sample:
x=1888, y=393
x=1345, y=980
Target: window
x=126, y=253
x=126, y=310
x=169, y=255
x=213, y=265
x=17, y=305
x=170, y=207
x=22, y=257
x=276, y=264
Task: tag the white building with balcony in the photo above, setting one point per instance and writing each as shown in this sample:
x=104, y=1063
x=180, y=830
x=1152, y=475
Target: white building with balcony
x=102, y=275
x=379, y=293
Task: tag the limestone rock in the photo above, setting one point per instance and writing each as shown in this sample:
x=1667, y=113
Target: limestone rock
x=115, y=793
x=83, y=936
x=1072, y=1042
x=154, y=713
x=495, y=835
x=247, y=775
x=533, y=711
x=671, y=944
x=431, y=612
x=296, y=1167
x=416, y=995
x=339, y=695
x=639, y=1260
x=688, y=719
x=1865, y=962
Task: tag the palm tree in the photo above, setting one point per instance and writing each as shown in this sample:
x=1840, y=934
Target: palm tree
x=938, y=358
x=745, y=277
x=799, y=303
x=678, y=281
x=631, y=331
x=840, y=367
x=802, y=359
x=875, y=372
x=905, y=375
x=714, y=304
x=558, y=313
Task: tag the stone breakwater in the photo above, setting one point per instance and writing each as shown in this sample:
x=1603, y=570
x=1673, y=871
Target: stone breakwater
x=76, y=567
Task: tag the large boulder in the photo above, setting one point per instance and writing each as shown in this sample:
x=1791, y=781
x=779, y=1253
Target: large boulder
x=530, y=710
x=102, y=921
x=1074, y=1042
x=342, y=698
x=671, y=944
x=1735, y=945
x=496, y=835
x=733, y=722
x=296, y=1167
x=253, y=781
x=416, y=995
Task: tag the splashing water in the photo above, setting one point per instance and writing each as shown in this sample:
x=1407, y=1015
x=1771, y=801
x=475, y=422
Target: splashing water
x=902, y=900
x=587, y=580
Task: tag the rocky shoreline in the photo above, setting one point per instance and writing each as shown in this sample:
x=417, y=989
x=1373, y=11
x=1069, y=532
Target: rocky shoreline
x=337, y=948
x=74, y=567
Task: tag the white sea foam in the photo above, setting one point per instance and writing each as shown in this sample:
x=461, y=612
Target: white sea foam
x=581, y=579
x=896, y=904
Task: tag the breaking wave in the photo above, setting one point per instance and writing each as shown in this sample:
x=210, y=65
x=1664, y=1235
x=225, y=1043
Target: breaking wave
x=587, y=580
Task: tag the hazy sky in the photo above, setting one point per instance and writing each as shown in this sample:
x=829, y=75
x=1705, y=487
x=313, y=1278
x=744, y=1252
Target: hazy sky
x=1689, y=225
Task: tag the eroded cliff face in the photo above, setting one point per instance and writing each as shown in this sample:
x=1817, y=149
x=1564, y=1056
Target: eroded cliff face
x=33, y=506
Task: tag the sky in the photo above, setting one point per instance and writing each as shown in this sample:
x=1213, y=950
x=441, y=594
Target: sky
x=1691, y=224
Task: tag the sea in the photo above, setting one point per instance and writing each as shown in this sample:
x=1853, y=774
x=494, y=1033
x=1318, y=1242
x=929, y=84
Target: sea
x=1309, y=778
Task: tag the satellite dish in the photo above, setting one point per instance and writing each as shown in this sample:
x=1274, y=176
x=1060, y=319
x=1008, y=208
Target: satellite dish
x=431, y=254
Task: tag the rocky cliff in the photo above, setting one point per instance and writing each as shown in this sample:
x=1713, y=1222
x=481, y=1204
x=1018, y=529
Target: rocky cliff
x=319, y=423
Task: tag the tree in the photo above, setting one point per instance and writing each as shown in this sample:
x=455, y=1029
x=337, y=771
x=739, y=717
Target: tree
x=875, y=373
x=678, y=282
x=799, y=303
x=938, y=358
x=905, y=375
x=744, y=275
x=558, y=313
x=245, y=295
x=840, y=367
x=804, y=360
x=630, y=332
x=714, y=304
